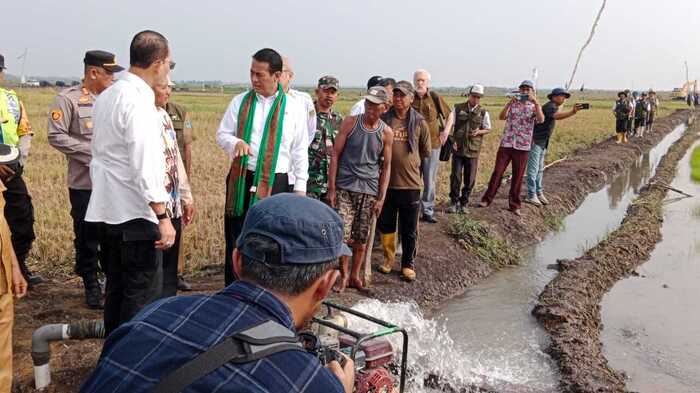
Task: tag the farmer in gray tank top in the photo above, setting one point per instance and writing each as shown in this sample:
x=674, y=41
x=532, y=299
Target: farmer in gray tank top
x=358, y=178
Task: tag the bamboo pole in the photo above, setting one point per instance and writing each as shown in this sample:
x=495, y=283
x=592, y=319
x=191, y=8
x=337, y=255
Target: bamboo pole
x=367, y=266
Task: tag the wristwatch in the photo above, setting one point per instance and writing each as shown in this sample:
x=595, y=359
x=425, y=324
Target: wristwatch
x=161, y=216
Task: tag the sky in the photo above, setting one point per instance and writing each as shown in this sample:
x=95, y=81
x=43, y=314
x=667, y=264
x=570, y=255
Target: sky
x=639, y=43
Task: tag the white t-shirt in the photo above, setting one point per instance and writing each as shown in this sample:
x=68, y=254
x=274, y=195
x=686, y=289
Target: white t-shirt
x=358, y=108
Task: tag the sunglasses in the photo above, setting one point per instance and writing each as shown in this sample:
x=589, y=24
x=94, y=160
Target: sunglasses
x=172, y=65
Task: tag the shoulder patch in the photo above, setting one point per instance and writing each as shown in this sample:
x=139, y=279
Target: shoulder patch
x=56, y=114
x=85, y=99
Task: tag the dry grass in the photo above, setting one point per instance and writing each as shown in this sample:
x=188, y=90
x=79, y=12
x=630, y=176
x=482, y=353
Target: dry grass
x=45, y=172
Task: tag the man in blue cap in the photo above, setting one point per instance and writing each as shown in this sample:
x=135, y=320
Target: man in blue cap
x=286, y=258
x=540, y=142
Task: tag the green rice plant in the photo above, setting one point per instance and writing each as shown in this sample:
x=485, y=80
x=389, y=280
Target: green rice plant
x=479, y=240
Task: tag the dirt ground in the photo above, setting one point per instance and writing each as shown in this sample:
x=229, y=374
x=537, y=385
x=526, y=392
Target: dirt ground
x=445, y=268
x=569, y=307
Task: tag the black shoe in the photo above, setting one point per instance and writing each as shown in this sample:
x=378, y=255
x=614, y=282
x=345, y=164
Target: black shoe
x=429, y=218
x=93, y=293
x=183, y=285
x=31, y=278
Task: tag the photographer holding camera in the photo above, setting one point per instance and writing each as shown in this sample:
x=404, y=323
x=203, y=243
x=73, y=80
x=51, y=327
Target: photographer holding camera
x=521, y=114
x=242, y=338
x=540, y=142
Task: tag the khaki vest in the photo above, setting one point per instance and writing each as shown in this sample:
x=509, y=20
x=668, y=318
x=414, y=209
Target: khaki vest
x=178, y=115
x=10, y=113
x=467, y=121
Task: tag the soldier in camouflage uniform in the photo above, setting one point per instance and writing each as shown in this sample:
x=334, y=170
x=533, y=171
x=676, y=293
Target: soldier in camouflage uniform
x=321, y=147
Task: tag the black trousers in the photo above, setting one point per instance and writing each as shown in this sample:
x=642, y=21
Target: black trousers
x=86, y=241
x=170, y=260
x=406, y=205
x=133, y=268
x=621, y=125
x=233, y=225
x=463, y=168
x=19, y=213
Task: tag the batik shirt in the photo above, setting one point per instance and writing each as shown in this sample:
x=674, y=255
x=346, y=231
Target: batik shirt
x=320, y=150
x=520, y=123
x=176, y=182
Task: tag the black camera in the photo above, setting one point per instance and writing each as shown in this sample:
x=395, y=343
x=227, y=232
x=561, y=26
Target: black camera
x=324, y=353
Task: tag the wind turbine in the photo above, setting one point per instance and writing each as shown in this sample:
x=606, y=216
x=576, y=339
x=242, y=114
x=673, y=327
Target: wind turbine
x=23, y=57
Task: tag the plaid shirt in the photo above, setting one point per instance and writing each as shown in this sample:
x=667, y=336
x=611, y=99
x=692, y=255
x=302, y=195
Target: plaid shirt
x=172, y=331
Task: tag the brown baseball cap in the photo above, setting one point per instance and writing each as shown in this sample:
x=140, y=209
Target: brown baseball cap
x=329, y=82
x=377, y=95
x=405, y=87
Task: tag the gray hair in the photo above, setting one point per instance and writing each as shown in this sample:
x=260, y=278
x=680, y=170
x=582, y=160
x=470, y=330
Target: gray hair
x=289, y=279
x=421, y=71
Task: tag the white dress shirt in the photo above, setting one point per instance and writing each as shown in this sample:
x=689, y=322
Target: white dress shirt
x=308, y=103
x=293, y=151
x=127, y=168
x=358, y=108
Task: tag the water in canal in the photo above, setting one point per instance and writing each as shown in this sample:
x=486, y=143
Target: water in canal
x=491, y=323
x=652, y=322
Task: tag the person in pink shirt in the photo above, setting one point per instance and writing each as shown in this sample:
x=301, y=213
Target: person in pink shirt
x=521, y=114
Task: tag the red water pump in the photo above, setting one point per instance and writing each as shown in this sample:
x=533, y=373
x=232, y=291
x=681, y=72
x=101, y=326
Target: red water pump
x=372, y=353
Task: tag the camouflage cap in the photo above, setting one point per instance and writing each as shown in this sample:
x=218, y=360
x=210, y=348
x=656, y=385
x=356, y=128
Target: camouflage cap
x=405, y=87
x=377, y=95
x=328, y=82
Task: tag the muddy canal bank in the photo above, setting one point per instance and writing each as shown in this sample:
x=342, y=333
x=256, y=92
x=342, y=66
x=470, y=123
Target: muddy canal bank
x=569, y=306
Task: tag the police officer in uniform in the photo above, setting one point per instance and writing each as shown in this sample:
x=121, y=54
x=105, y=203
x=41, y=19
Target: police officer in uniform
x=19, y=211
x=183, y=130
x=70, y=132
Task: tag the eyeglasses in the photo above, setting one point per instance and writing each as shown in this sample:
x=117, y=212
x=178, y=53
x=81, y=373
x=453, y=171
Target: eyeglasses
x=172, y=65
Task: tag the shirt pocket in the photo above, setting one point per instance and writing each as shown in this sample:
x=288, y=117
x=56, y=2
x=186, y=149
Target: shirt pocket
x=85, y=119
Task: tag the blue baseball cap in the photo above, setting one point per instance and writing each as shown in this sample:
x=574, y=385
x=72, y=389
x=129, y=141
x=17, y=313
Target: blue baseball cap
x=306, y=230
x=559, y=92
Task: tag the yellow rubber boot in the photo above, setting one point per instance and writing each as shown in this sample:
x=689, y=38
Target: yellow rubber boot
x=389, y=247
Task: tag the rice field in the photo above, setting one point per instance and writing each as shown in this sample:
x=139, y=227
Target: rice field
x=45, y=173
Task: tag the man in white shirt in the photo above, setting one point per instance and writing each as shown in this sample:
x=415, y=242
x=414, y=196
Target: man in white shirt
x=255, y=144
x=128, y=182
x=304, y=99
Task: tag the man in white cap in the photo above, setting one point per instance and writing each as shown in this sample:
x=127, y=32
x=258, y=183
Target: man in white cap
x=467, y=124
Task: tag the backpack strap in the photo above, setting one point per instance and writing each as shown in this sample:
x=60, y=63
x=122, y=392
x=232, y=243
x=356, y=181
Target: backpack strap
x=442, y=118
x=251, y=344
